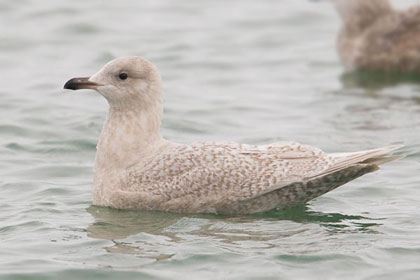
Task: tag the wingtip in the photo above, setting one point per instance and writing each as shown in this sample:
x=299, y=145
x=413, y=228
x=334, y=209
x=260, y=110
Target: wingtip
x=396, y=146
x=381, y=160
x=391, y=148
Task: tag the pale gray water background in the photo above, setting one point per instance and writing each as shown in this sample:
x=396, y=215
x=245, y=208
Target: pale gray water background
x=242, y=70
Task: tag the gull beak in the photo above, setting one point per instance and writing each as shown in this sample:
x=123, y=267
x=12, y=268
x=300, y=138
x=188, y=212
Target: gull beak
x=81, y=83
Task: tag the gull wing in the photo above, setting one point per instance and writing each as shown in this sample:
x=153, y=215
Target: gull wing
x=206, y=175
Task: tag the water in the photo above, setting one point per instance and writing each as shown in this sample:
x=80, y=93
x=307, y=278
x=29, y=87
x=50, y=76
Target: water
x=248, y=71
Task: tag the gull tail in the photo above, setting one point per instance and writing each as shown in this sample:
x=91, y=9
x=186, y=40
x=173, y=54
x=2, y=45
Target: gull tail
x=348, y=167
x=370, y=157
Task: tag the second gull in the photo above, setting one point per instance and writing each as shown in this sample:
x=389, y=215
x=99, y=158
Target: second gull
x=376, y=37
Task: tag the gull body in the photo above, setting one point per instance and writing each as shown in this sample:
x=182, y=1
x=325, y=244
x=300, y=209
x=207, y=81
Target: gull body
x=136, y=168
x=376, y=37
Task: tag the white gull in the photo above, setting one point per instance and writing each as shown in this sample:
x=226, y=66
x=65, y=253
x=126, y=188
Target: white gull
x=376, y=37
x=135, y=168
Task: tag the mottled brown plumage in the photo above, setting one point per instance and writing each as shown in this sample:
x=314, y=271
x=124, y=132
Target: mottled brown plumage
x=136, y=168
x=376, y=37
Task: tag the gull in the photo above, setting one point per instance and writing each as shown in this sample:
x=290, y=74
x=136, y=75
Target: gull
x=136, y=168
x=376, y=37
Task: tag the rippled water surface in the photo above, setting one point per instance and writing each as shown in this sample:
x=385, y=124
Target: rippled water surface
x=242, y=70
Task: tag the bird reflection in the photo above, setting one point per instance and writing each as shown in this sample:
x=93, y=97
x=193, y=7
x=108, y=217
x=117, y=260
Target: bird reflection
x=376, y=80
x=113, y=224
x=158, y=235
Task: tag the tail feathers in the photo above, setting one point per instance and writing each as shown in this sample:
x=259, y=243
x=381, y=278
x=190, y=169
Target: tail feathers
x=375, y=157
x=383, y=159
x=365, y=156
x=349, y=167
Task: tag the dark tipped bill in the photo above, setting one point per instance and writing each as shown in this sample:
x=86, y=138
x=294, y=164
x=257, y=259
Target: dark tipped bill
x=81, y=83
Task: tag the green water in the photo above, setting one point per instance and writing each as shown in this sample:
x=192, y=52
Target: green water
x=247, y=71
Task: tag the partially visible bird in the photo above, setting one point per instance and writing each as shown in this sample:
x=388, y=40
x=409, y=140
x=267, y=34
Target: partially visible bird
x=135, y=168
x=376, y=37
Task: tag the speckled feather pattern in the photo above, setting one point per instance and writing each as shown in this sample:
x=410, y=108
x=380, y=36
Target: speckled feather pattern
x=234, y=178
x=136, y=168
x=376, y=37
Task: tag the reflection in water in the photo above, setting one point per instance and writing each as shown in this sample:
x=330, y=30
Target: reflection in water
x=158, y=235
x=377, y=80
x=113, y=224
x=301, y=214
x=375, y=101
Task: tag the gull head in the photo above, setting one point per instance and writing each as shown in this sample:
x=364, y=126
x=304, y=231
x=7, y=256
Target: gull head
x=127, y=83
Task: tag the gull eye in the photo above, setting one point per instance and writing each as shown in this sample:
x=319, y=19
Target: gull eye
x=123, y=76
